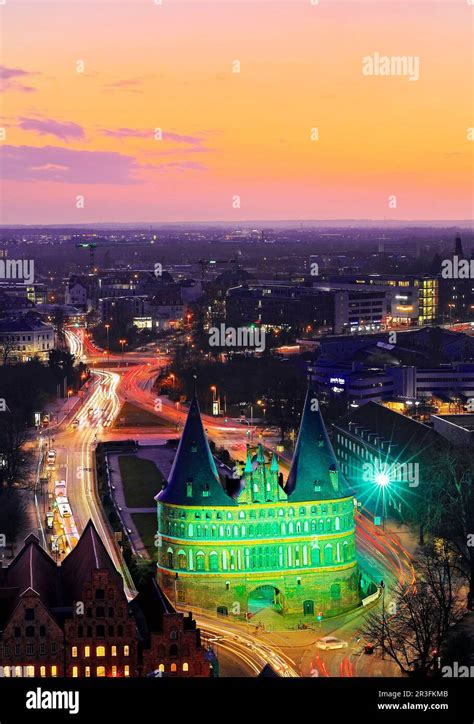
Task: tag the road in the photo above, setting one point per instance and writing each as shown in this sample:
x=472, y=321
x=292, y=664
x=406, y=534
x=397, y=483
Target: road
x=292, y=653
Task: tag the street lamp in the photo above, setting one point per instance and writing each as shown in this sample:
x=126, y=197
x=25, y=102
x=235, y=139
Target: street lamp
x=107, y=327
x=122, y=342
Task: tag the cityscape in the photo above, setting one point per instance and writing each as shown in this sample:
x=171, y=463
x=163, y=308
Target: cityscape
x=236, y=358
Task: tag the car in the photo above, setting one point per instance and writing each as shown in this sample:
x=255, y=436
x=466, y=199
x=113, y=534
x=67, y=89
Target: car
x=49, y=518
x=326, y=643
x=60, y=488
x=64, y=510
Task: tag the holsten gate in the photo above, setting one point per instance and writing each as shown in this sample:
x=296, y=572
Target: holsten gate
x=233, y=551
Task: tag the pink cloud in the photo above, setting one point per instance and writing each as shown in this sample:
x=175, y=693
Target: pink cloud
x=64, y=165
x=47, y=126
x=149, y=133
x=10, y=80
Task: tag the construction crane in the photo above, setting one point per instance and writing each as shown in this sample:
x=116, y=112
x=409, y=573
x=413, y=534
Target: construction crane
x=92, y=247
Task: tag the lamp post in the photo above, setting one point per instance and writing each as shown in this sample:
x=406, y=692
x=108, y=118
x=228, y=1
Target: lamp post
x=122, y=342
x=107, y=327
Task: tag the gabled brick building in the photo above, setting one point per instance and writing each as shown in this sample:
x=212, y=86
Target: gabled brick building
x=74, y=620
x=170, y=642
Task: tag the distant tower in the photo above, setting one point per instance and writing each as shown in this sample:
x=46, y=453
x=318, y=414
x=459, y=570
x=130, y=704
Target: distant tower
x=458, y=250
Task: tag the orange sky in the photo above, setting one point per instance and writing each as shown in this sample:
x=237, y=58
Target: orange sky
x=169, y=66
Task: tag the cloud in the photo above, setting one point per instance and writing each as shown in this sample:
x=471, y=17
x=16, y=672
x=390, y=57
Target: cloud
x=177, y=138
x=11, y=79
x=47, y=126
x=132, y=85
x=64, y=165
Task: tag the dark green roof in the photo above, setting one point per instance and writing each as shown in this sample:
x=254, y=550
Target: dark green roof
x=194, y=464
x=314, y=472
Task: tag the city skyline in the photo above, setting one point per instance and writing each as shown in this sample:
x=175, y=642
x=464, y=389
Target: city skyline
x=224, y=134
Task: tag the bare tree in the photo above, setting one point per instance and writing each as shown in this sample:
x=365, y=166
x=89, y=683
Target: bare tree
x=14, y=466
x=414, y=624
x=7, y=346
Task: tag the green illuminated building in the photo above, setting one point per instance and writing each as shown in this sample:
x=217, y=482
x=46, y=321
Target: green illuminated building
x=290, y=548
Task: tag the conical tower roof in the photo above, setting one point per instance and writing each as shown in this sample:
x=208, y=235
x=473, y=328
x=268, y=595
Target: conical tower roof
x=314, y=472
x=194, y=479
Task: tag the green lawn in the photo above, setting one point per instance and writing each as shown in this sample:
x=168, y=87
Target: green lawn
x=132, y=416
x=141, y=481
x=146, y=524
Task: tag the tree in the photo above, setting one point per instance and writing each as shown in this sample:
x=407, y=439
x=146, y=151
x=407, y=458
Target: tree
x=59, y=321
x=14, y=465
x=412, y=627
x=6, y=349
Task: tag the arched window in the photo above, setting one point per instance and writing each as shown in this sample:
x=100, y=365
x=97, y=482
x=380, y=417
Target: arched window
x=328, y=554
x=173, y=634
x=200, y=561
x=174, y=651
x=170, y=557
x=345, y=551
x=100, y=671
x=213, y=561
x=100, y=651
x=337, y=523
x=161, y=667
x=182, y=561
x=173, y=668
x=190, y=530
x=315, y=556
x=185, y=666
x=236, y=531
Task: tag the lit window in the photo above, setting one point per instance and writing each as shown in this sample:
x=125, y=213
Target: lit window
x=161, y=667
x=43, y=671
x=100, y=651
x=30, y=670
x=74, y=652
x=114, y=671
x=100, y=671
x=54, y=671
x=75, y=672
x=6, y=671
x=126, y=670
x=126, y=651
x=87, y=671
x=87, y=651
x=173, y=667
x=114, y=651
x=185, y=667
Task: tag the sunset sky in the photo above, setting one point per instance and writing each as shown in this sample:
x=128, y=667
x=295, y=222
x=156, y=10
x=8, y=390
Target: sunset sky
x=225, y=134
